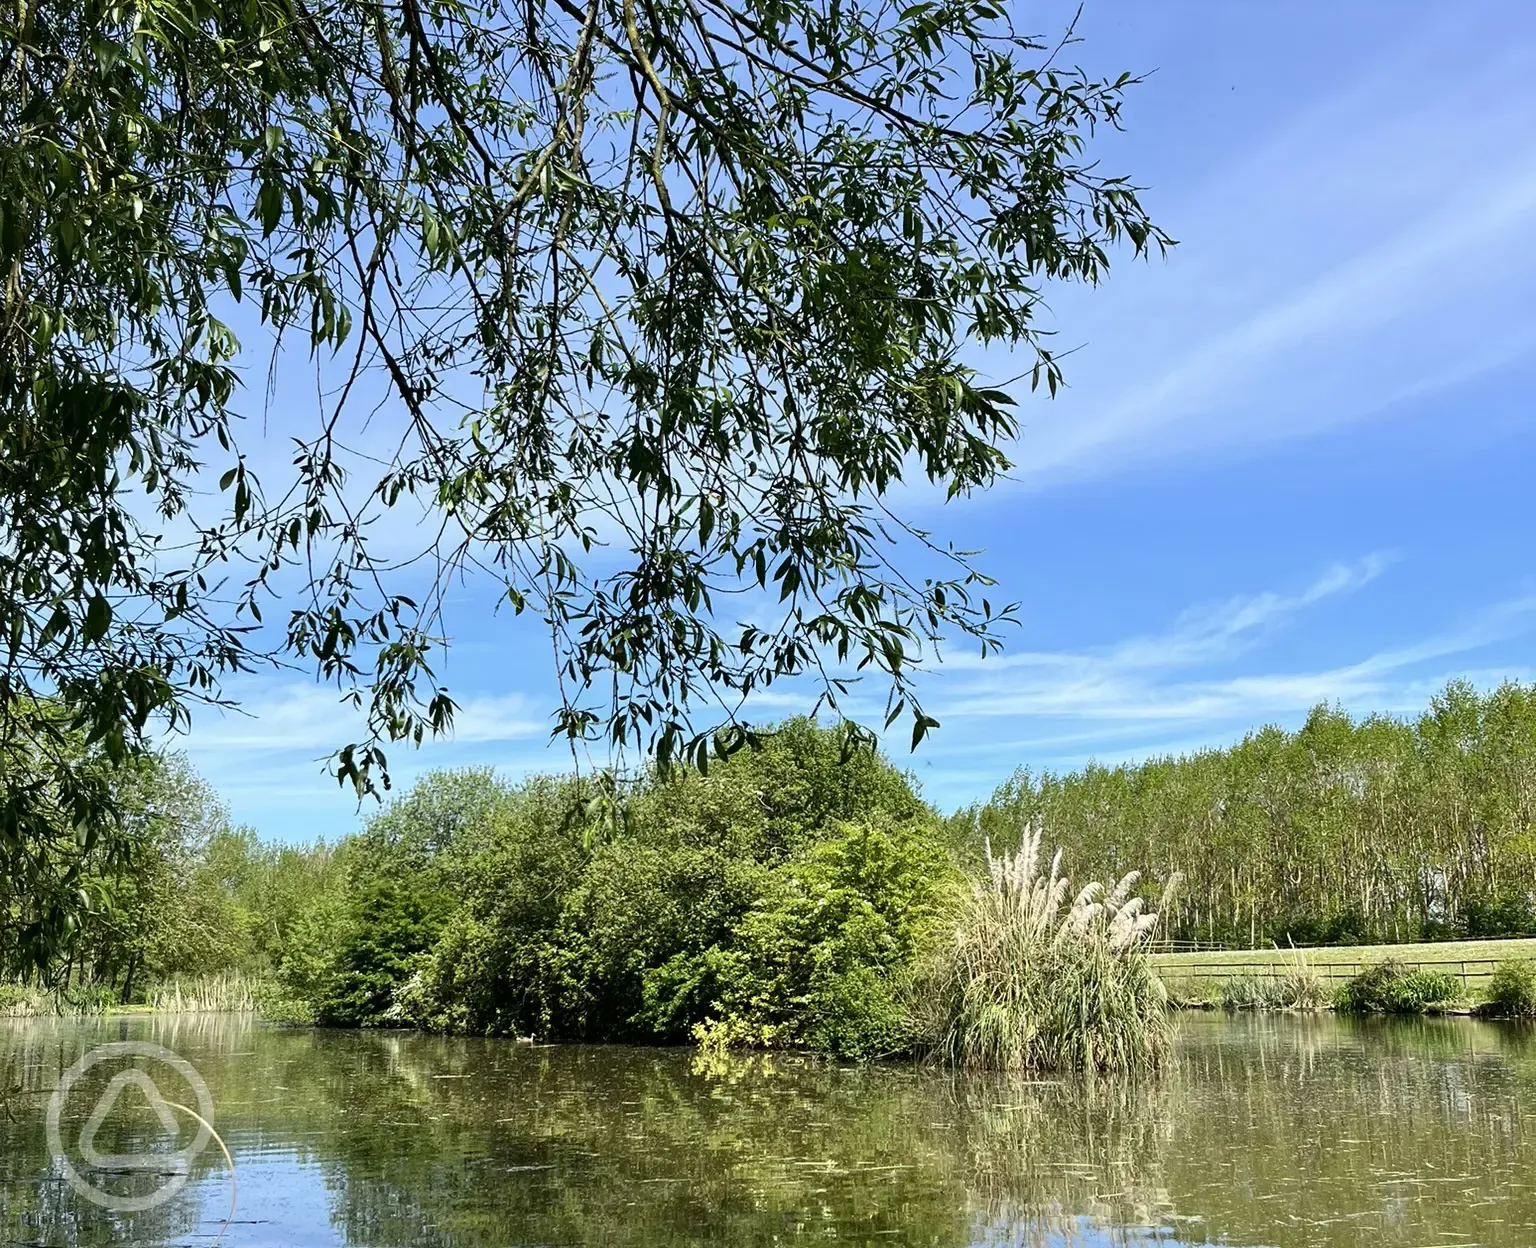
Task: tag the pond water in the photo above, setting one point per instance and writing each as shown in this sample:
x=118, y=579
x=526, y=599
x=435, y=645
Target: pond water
x=1266, y=1130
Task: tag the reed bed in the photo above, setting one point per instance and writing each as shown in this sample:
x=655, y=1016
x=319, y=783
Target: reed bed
x=1291, y=985
x=226, y=993
x=1034, y=981
x=28, y=1001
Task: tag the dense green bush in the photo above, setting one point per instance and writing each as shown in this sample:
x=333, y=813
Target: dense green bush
x=776, y=899
x=391, y=926
x=1511, y=991
x=353, y=948
x=792, y=895
x=1499, y=914
x=1389, y=987
x=1343, y=927
x=820, y=958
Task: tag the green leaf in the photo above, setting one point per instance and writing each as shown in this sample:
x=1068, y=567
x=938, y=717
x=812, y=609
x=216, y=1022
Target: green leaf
x=98, y=618
x=269, y=205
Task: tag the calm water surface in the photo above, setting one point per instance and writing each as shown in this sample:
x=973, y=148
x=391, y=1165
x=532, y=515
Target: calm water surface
x=1266, y=1131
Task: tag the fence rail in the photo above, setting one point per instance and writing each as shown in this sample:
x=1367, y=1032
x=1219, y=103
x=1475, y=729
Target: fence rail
x=1467, y=969
x=1199, y=946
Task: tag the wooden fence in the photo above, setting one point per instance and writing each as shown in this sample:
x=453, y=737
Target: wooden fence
x=1468, y=970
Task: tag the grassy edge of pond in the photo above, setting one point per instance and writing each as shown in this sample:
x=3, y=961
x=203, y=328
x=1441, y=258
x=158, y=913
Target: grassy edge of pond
x=218, y=993
x=1493, y=978
x=1343, y=961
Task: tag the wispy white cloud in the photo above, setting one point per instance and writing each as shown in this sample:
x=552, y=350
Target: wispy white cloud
x=1372, y=250
x=295, y=717
x=1201, y=634
x=269, y=761
x=1176, y=677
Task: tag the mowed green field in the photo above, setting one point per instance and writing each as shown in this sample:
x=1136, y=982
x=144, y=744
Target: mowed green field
x=1472, y=961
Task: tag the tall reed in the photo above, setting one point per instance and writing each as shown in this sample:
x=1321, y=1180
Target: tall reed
x=1033, y=981
x=225, y=993
x=26, y=1001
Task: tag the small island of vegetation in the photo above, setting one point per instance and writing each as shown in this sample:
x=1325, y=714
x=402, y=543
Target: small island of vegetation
x=801, y=894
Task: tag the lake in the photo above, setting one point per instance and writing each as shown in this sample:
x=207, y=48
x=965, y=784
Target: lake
x=1266, y=1130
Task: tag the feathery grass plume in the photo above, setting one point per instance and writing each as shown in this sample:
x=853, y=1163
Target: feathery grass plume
x=1031, y=980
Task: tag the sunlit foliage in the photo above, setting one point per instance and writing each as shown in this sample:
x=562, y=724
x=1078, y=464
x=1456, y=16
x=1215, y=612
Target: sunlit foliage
x=1344, y=831
x=697, y=284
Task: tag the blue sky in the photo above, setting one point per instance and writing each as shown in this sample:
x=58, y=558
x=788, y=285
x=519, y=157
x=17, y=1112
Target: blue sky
x=1292, y=461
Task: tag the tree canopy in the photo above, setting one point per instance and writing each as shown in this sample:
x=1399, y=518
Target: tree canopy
x=697, y=283
x=1344, y=831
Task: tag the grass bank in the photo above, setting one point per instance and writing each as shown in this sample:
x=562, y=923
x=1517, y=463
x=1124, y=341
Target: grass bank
x=1493, y=978
x=1473, y=962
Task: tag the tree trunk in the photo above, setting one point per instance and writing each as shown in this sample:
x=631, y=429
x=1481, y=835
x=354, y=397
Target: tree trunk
x=133, y=965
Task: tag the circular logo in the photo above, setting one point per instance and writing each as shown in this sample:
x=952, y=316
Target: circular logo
x=177, y=1166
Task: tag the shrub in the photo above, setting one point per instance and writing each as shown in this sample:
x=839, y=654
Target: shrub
x=1344, y=927
x=1389, y=987
x=1511, y=992
x=1029, y=982
x=819, y=960
x=1421, y=991
x=1499, y=914
x=709, y=906
x=391, y=926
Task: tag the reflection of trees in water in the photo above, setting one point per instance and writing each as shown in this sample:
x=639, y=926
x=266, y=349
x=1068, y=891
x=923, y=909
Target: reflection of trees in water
x=1266, y=1131
x=1058, y=1163
x=1349, y=1132
x=647, y=1147
x=447, y=1142
x=37, y=1206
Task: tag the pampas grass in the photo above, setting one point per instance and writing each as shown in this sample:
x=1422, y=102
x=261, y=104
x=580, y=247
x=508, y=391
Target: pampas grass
x=1032, y=981
x=1300, y=987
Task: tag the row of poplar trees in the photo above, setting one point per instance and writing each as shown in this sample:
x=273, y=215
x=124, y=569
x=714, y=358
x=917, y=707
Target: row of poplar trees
x=1345, y=831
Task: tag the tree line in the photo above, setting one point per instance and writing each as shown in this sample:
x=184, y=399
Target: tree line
x=799, y=893
x=784, y=895
x=773, y=898
x=176, y=890
x=1347, y=830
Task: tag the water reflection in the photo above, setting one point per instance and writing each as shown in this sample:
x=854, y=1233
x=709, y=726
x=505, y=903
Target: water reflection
x=1267, y=1131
